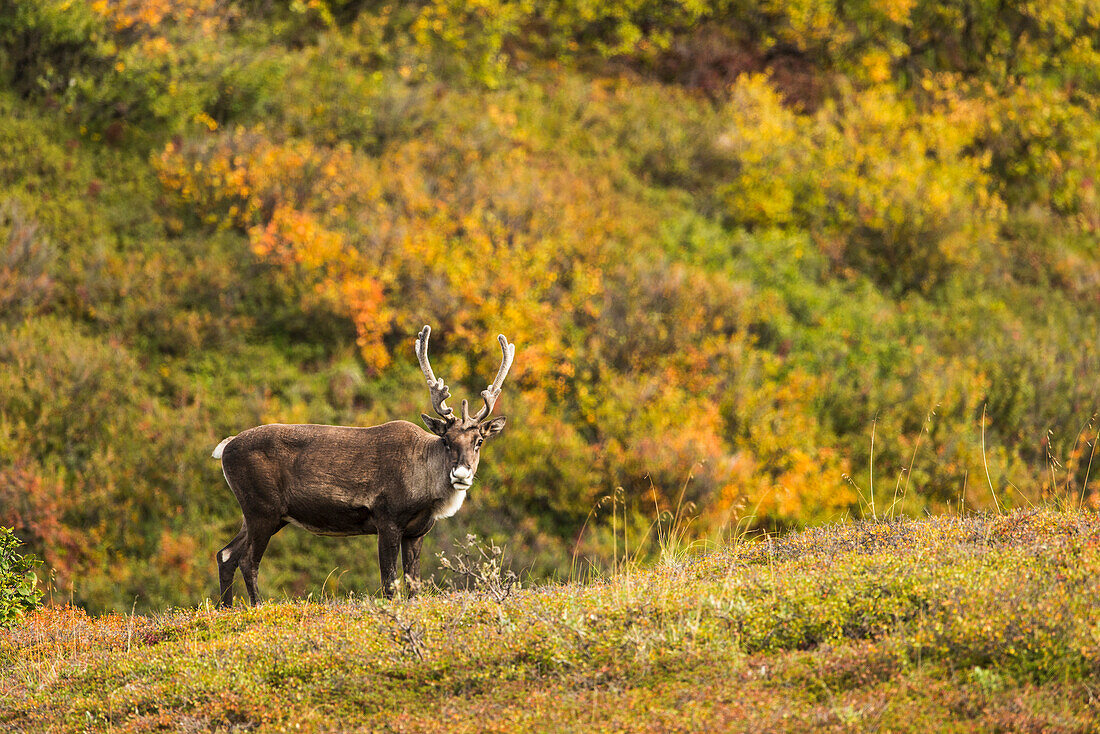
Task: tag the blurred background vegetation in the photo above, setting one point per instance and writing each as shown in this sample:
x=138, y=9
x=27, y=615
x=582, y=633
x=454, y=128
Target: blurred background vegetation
x=732, y=240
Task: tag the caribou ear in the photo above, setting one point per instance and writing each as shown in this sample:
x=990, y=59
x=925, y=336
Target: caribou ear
x=438, y=426
x=491, y=428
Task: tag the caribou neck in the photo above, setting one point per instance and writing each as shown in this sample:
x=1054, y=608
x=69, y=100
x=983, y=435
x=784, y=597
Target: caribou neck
x=440, y=462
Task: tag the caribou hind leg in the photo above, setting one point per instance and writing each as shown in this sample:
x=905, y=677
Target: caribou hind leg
x=259, y=533
x=228, y=559
x=389, y=550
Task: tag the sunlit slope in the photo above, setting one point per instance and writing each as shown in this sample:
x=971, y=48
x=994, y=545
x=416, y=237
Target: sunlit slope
x=950, y=624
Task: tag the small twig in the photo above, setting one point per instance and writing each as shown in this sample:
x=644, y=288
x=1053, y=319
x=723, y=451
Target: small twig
x=871, y=469
x=130, y=625
x=986, y=464
x=1088, y=470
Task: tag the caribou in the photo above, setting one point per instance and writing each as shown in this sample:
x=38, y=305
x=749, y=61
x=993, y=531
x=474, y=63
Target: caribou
x=394, y=480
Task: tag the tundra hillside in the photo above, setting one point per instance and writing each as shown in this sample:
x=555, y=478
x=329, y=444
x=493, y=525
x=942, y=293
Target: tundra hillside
x=948, y=624
x=735, y=240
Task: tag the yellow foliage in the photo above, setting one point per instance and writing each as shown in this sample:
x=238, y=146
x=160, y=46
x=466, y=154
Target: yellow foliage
x=884, y=185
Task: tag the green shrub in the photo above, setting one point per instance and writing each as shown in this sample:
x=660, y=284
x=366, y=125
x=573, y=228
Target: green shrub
x=19, y=592
x=44, y=42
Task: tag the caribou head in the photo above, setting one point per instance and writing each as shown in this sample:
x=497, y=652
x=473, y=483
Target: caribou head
x=463, y=436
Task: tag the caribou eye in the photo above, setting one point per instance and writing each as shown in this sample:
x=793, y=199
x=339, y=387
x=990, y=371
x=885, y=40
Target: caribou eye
x=477, y=445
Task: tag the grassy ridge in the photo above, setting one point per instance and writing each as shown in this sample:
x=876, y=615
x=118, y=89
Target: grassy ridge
x=967, y=624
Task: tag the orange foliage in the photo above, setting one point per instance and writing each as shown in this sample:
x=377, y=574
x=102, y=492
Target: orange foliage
x=289, y=198
x=303, y=247
x=35, y=505
x=479, y=240
x=152, y=17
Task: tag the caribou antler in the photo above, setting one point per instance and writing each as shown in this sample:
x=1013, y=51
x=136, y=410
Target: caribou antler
x=491, y=393
x=440, y=391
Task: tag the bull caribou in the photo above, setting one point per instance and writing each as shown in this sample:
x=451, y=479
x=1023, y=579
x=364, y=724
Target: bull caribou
x=394, y=480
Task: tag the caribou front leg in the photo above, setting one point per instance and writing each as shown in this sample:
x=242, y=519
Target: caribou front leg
x=410, y=557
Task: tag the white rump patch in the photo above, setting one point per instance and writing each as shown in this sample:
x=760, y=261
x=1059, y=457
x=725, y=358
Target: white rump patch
x=225, y=555
x=450, y=505
x=220, y=448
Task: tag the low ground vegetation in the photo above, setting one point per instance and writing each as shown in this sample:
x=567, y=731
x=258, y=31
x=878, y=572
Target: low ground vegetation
x=976, y=623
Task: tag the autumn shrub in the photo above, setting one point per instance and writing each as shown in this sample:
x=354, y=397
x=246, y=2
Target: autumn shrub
x=1005, y=42
x=888, y=191
x=869, y=41
x=664, y=134
x=95, y=470
x=25, y=263
x=136, y=69
x=442, y=40
x=1042, y=147
x=872, y=41
x=476, y=43
x=332, y=105
x=63, y=51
